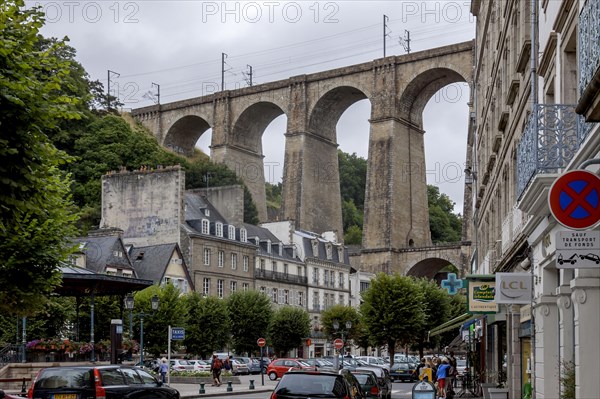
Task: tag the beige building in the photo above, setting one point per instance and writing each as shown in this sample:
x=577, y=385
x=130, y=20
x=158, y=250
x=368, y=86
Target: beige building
x=536, y=70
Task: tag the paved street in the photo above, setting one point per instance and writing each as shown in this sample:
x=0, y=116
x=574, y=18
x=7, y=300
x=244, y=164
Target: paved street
x=241, y=391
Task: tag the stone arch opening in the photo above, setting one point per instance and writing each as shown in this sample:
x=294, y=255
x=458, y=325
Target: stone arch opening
x=329, y=108
x=184, y=133
x=422, y=88
x=428, y=268
x=249, y=127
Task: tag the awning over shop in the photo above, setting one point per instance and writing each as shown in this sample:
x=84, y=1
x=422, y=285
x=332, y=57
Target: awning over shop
x=452, y=324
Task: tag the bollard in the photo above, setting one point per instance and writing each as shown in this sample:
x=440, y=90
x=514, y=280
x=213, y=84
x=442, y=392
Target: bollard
x=229, y=387
x=202, y=388
x=251, y=384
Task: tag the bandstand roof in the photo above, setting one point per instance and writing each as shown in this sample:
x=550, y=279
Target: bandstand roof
x=77, y=281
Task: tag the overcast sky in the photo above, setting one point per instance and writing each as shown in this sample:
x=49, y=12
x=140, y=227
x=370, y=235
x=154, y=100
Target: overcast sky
x=178, y=45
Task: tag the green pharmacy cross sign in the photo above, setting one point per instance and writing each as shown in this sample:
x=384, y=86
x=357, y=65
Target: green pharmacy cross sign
x=452, y=284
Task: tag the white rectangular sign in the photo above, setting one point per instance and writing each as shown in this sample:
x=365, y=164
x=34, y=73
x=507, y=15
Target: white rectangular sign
x=578, y=249
x=513, y=288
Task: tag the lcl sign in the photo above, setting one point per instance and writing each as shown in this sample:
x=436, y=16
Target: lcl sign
x=514, y=288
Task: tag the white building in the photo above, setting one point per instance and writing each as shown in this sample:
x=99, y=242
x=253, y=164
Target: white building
x=532, y=80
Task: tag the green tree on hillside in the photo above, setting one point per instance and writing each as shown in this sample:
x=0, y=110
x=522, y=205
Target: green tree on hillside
x=445, y=226
x=36, y=212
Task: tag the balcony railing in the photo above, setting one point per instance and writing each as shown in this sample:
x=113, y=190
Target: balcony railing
x=589, y=43
x=279, y=276
x=552, y=136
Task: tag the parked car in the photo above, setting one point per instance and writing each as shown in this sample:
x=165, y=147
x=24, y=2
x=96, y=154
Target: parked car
x=152, y=365
x=252, y=364
x=383, y=378
x=200, y=365
x=317, y=384
x=403, y=371
x=279, y=367
x=96, y=382
x=181, y=365
x=319, y=364
x=373, y=361
x=239, y=368
x=368, y=383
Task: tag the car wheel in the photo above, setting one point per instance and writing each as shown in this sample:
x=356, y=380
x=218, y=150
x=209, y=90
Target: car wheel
x=272, y=376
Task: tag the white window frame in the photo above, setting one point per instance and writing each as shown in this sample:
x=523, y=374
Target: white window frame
x=221, y=258
x=286, y=297
x=300, y=298
x=206, y=286
x=245, y=286
x=233, y=286
x=205, y=226
x=243, y=235
x=207, y=256
x=231, y=232
x=220, y=288
x=233, y=261
x=274, y=294
x=315, y=278
x=219, y=229
x=342, y=279
x=245, y=262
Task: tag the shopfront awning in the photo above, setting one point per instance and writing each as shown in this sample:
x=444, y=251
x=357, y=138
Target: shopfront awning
x=452, y=324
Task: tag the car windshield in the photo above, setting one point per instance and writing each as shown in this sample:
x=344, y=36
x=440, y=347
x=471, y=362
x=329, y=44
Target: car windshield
x=363, y=378
x=310, y=384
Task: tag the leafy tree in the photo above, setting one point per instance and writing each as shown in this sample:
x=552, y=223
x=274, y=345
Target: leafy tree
x=353, y=178
x=36, y=212
x=351, y=216
x=207, y=326
x=342, y=314
x=392, y=310
x=288, y=329
x=171, y=312
x=436, y=304
x=445, y=226
x=457, y=306
x=353, y=236
x=250, y=313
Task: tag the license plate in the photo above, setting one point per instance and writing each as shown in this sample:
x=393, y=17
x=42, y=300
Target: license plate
x=65, y=396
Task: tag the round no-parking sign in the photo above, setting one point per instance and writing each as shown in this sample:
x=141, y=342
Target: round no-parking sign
x=574, y=199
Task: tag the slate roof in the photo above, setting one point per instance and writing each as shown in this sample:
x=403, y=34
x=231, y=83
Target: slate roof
x=307, y=239
x=263, y=235
x=151, y=262
x=195, y=207
x=99, y=253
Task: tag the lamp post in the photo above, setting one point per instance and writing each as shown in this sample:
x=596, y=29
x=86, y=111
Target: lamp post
x=129, y=302
x=336, y=326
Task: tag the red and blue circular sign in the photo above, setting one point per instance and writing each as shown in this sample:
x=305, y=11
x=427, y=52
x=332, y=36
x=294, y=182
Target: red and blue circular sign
x=574, y=199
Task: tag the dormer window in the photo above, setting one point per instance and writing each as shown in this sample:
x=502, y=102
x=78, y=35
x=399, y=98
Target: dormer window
x=315, y=248
x=231, y=232
x=340, y=253
x=328, y=250
x=280, y=249
x=207, y=212
x=268, y=246
x=243, y=235
x=219, y=228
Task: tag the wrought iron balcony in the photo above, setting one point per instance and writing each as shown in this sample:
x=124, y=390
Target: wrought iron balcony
x=279, y=276
x=552, y=137
x=589, y=57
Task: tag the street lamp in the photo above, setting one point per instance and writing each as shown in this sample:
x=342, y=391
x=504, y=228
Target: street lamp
x=336, y=326
x=129, y=301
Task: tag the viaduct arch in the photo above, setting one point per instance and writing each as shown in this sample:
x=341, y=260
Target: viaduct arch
x=396, y=217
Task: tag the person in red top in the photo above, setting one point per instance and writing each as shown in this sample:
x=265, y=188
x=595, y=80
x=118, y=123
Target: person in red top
x=215, y=366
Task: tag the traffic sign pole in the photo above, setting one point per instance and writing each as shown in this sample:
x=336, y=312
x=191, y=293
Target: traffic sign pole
x=261, y=343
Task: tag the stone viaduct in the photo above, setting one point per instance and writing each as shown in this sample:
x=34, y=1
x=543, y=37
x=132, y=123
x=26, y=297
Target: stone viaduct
x=396, y=220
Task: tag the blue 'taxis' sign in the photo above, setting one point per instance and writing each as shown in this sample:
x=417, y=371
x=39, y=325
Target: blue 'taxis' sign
x=177, y=333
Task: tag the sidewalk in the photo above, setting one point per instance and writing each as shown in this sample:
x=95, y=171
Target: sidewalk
x=189, y=391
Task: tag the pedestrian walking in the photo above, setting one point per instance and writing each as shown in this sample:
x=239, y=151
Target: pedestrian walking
x=164, y=368
x=215, y=367
x=452, y=373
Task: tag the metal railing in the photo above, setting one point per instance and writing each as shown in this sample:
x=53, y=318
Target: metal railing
x=553, y=134
x=279, y=276
x=11, y=354
x=589, y=43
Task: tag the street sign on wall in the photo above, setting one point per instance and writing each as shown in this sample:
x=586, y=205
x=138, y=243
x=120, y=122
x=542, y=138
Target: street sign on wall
x=514, y=288
x=578, y=249
x=574, y=199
